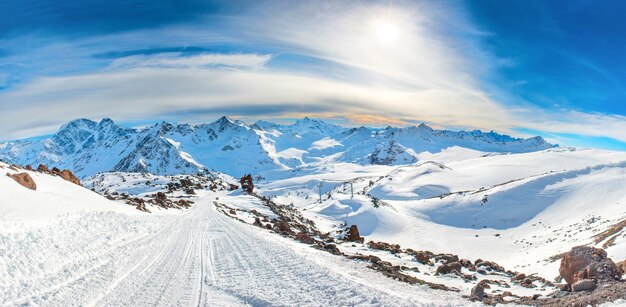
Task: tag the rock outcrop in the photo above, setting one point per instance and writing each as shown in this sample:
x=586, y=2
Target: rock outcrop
x=25, y=180
x=246, y=183
x=353, y=235
x=584, y=262
x=69, y=176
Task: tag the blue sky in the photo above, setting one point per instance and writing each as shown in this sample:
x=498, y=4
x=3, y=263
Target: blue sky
x=549, y=68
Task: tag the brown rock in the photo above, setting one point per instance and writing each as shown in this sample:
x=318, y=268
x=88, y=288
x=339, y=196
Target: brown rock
x=43, y=168
x=25, y=180
x=304, y=238
x=28, y=167
x=446, y=258
x=56, y=171
x=69, y=176
x=246, y=183
x=478, y=293
x=422, y=257
x=584, y=262
x=584, y=285
x=466, y=263
x=518, y=277
x=353, y=235
x=282, y=226
x=449, y=268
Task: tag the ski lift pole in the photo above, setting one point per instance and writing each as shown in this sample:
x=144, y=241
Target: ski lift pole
x=351, y=189
x=320, y=189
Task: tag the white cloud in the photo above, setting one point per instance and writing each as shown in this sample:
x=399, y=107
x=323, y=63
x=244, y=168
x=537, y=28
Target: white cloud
x=142, y=93
x=429, y=74
x=177, y=60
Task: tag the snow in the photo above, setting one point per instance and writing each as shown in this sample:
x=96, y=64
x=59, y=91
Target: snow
x=477, y=195
x=114, y=256
x=539, y=204
x=324, y=143
x=53, y=197
x=230, y=146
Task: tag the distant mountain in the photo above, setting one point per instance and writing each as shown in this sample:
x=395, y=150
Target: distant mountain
x=232, y=147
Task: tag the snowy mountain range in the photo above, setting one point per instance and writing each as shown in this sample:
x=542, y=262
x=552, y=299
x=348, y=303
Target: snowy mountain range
x=235, y=148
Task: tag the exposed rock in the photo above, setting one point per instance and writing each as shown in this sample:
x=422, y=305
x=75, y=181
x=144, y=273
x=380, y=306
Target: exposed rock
x=518, y=277
x=234, y=212
x=446, y=258
x=246, y=183
x=13, y=167
x=449, y=268
x=584, y=262
x=141, y=205
x=304, y=238
x=489, y=265
x=28, y=167
x=392, y=248
x=478, y=293
x=422, y=257
x=466, y=263
x=43, y=168
x=282, y=226
x=25, y=180
x=352, y=235
x=257, y=222
x=584, y=285
x=332, y=248
x=69, y=176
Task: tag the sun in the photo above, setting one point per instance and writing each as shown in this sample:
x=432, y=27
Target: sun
x=387, y=33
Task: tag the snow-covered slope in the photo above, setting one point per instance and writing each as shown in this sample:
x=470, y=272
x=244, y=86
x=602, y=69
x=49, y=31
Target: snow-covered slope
x=52, y=198
x=524, y=207
x=63, y=245
x=232, y=147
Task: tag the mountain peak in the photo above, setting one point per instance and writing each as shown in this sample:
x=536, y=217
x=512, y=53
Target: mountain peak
x=81, y=123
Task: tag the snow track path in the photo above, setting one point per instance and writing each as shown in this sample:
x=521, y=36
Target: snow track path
x=203, y=258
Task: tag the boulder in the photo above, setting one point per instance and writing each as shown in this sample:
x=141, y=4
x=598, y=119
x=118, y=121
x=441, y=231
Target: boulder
x=28, y=167
x=422, y=257
x=332, y=248
x=584, y=285
x=304, y=238
x=25, y=180
x=466, y=263
x=352, y=235
x=246, y=183
x=69, y=176
x=43, y=168
x=518, y=277
x=478, y=293
x=584, y=262
x=446, y=258
x=449, y=268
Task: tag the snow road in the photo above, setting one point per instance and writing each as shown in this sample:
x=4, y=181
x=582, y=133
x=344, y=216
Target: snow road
x=197, y=258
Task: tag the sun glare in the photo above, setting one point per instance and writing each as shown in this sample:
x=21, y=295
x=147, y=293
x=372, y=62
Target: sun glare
x=387, y=33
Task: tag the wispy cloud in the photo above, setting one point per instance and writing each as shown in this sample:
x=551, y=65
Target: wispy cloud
x=283, y=58
x=178, y=60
